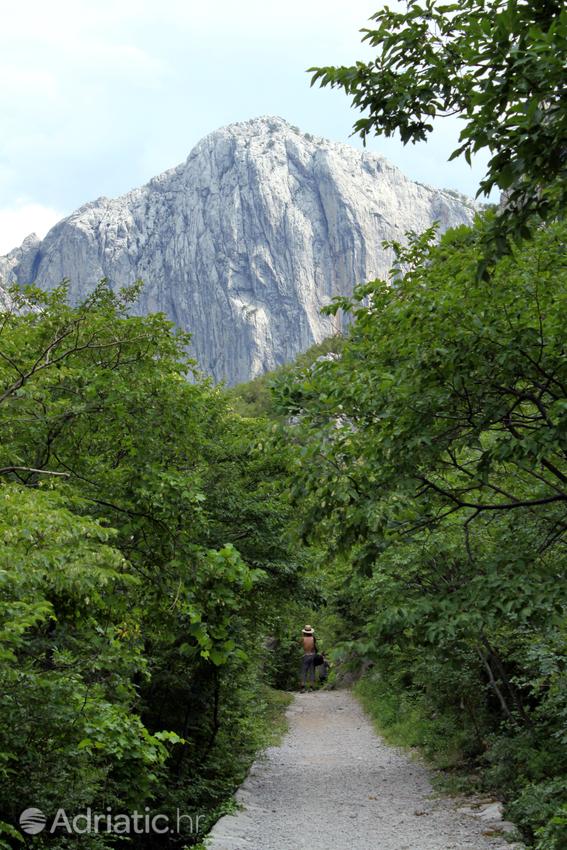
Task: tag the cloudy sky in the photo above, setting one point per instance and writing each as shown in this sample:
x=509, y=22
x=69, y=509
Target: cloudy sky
x=98, y=96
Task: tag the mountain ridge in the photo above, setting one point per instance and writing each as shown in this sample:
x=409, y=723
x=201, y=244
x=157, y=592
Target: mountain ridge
x=244, y=242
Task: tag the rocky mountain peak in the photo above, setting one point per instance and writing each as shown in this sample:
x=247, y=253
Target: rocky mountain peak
x=244, y=242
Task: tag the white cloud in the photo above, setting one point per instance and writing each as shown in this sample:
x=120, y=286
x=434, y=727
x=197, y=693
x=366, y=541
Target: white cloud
x=24, y=218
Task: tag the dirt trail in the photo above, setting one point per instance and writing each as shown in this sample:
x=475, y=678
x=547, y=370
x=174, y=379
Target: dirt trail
x=333, y=784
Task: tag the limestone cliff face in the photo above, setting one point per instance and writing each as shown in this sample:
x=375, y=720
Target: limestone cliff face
x=244, y=242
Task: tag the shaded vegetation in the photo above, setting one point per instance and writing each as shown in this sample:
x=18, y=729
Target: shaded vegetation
x=431, y=466
x=146, y=534
x=254, y=398
x=432, y=456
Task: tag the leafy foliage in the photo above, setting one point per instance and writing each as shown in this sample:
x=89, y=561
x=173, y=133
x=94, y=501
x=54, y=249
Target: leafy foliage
x=499, y=66
x=432, y=455
x=433, y=452
x=146, y=534
x=254, y=398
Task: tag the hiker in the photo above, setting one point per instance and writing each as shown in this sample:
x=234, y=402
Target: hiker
x=309, y=652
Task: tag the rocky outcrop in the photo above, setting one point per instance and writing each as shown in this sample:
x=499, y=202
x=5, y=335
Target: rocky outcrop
x=244, y=242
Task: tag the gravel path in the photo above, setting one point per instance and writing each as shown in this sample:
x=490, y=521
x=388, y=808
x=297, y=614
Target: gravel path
x=334, y=785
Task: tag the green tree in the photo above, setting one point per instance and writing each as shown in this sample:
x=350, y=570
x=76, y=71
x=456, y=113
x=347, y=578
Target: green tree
x=499, y=66
x=459, y=384
x=106, y=421
x=70, y=647
x=433, y=455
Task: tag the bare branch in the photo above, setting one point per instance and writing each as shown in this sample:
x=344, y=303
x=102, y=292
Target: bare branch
x=491, y=506
x=6, y=469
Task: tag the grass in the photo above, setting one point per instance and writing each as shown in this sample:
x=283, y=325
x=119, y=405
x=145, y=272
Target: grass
x=274, y=721
x=404, y=720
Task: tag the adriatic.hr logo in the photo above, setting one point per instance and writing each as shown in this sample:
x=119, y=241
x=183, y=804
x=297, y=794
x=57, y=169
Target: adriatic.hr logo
x=33, y=821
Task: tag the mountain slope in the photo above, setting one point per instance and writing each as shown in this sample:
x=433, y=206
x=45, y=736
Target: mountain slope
x=244, y=242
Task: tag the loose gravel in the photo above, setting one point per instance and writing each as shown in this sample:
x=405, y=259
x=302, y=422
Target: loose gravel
x=333, y=784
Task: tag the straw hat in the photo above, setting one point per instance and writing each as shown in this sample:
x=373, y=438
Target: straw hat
x=307, y=630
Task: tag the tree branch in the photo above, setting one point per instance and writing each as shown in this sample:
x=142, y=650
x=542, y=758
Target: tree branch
x=4, y=470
